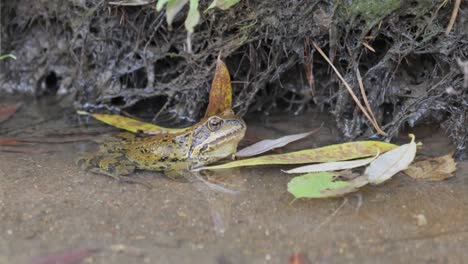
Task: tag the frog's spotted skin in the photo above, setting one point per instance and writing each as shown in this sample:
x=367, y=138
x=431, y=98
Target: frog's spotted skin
x=210, y=140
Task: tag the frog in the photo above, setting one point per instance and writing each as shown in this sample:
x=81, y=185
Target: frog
x=210, y=140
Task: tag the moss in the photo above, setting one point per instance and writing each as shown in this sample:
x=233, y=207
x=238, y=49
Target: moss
x=370, y=11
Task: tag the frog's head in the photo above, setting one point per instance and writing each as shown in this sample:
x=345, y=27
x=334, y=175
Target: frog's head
x=215, y=138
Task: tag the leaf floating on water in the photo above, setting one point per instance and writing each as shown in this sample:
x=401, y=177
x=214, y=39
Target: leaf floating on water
x=337, y=152
x=7, y=111
x=333, y=166
x=222, y=4
x=433, y=169
x=269, y=144
x=392, y=162
x=353, y=186
x=323, y=185
x=221, y=92
x=130, y=124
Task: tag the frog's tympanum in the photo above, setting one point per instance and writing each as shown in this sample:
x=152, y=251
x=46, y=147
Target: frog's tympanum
x=209, y=140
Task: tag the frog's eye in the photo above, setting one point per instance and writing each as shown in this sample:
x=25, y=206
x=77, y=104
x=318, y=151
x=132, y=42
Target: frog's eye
x=215, y=123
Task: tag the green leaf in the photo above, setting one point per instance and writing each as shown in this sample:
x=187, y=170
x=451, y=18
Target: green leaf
x=160, y=5
x=222, y=4
x=11, y=56
x=337, y=152
x=173, y=7
x=193, y=16
x=322, y=185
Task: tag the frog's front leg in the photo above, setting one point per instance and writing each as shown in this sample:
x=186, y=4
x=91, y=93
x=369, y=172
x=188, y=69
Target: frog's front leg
x=115, y=165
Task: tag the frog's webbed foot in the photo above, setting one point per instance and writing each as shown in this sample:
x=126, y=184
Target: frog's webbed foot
x=114, y=165
x=176, y=175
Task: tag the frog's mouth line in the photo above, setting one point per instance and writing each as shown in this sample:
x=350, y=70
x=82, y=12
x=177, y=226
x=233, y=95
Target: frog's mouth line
x=224, y=137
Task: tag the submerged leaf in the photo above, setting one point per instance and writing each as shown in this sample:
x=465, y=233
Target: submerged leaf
x=337, y=152
x=6, y=111
x=221, y=92
x=130, y=124
x=322, y=185
x=269, y=144
x=299, y=258
x=392, y=162
x=222, y=4
x=333, y=166
x=433, y=169
x=69, y=256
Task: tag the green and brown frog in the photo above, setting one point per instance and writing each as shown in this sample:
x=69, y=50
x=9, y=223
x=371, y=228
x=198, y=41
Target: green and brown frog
x=210, y=140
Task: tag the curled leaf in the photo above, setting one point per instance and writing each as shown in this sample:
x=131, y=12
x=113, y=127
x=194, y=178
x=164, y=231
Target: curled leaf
x=337, y=152
x=160, y=5
x=269, y=144
x=392, y=162
x=130, y=124
x=193, y=16
x=173, y=7
x=433, y=169
x=221, y=91
x=222, y=4
x=333, y=166
x=5, y=56
x=323, y=185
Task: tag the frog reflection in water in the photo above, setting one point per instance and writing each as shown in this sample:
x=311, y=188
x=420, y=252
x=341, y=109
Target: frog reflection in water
x=210, y=140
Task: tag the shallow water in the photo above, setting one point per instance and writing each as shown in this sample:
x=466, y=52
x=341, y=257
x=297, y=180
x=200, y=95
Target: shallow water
x=48, y=204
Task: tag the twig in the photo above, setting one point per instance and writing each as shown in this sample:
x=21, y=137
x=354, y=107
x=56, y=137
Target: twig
x=366, y=102
x=347, y=87
x=456, y=7
x=369, y=47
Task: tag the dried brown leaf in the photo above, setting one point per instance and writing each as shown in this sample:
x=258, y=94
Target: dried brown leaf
x=433, y=169
x=220, y=100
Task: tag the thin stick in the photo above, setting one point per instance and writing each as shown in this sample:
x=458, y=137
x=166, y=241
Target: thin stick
x=346, y=85
x=369, y=47
x=456, y=7
x=366, y=102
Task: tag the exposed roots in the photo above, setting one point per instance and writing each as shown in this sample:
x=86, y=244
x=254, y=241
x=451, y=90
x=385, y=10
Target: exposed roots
x=126, y=58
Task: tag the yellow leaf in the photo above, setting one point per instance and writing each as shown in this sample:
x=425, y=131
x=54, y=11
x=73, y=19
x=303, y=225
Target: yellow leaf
x=130, y=124
x=344, y=151
x=221, y=91
x=433, y=169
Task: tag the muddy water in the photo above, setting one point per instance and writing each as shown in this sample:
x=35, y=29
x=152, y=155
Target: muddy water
x=47, y=204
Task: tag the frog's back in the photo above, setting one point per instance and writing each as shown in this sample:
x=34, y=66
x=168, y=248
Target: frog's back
x=160, y=152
